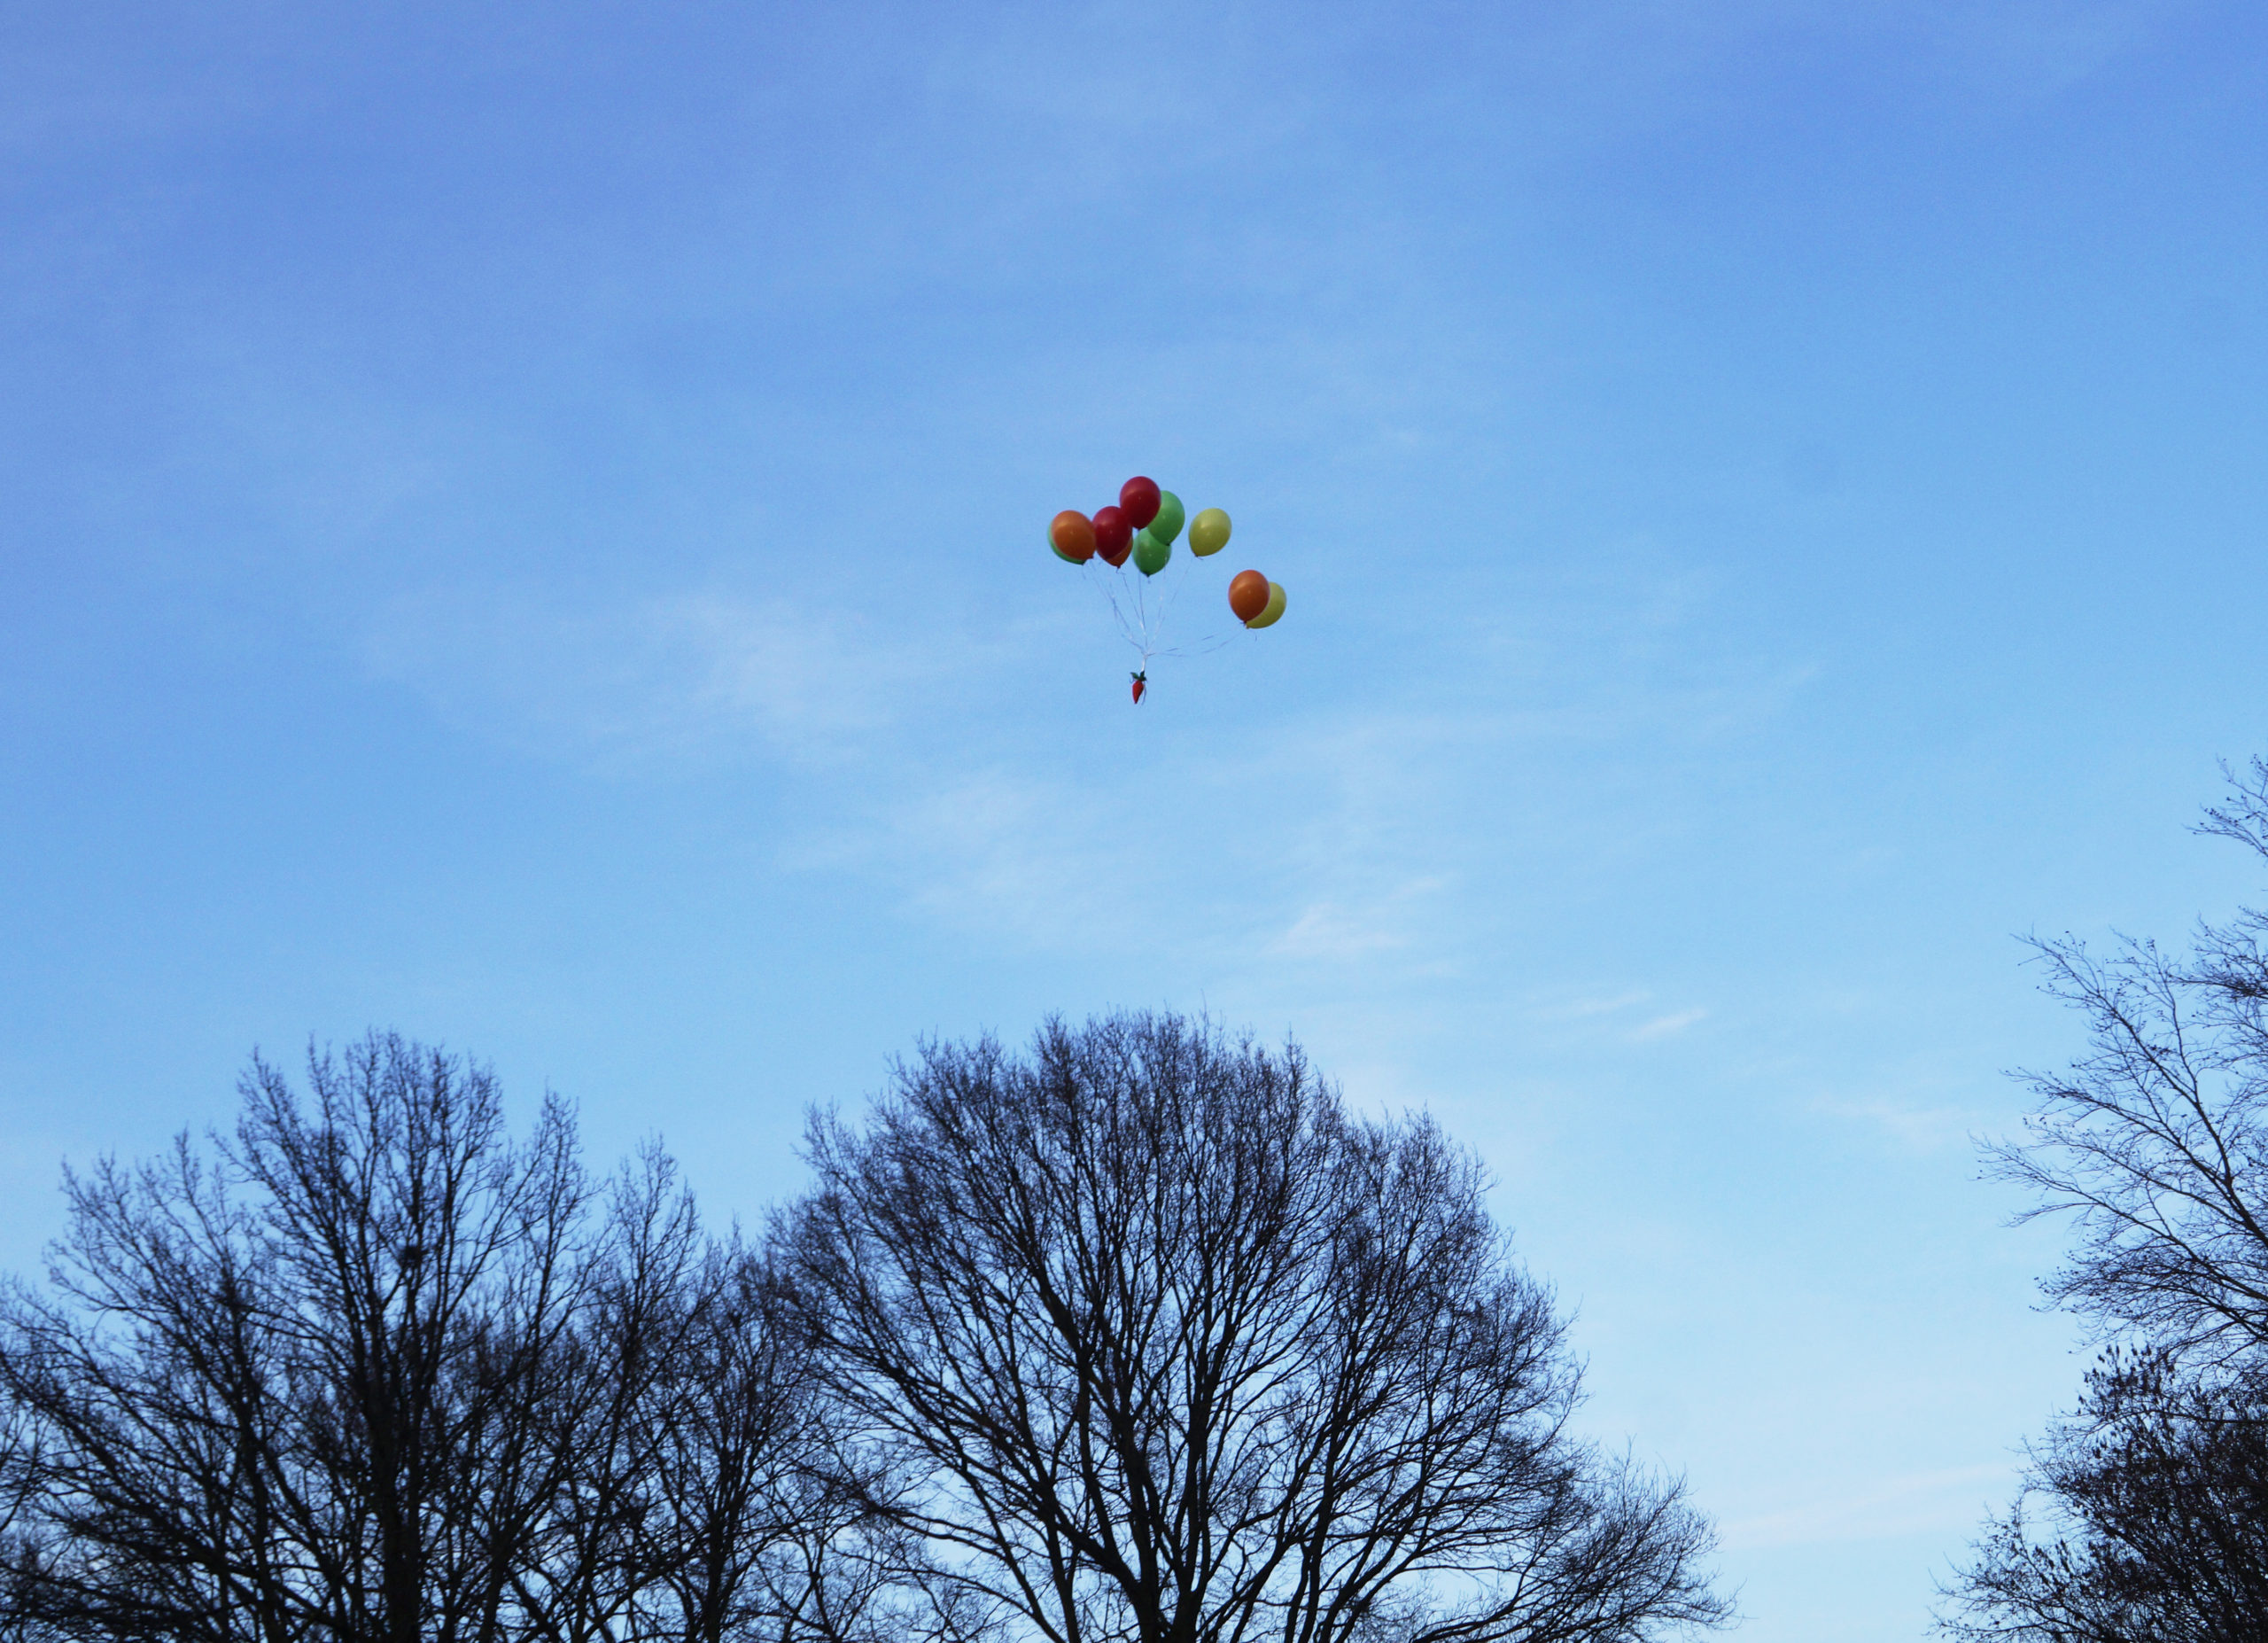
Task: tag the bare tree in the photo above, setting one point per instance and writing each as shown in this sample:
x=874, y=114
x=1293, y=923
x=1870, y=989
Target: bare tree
x=1146, y=1338
x=747, y=1534
x=2155, y=1141
x=2150, y=1520
x=2156, y=1493
x=373, y=1370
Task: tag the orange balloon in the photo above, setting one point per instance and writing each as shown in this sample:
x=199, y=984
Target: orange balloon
x=1247, y=595
x=1073, y=535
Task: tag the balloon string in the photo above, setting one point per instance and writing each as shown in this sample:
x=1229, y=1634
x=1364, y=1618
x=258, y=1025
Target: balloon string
x=1137, y=631
x=1142, y=625
x=1200, y=647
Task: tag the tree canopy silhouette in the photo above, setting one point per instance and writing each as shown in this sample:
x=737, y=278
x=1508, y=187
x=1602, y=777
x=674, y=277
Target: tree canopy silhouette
x=1147, y=1338
x=1141, y=1338
x=371, y=1369
x=2149, y=1504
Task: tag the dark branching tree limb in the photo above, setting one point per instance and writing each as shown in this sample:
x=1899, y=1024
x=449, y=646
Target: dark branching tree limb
x=2156, y=1494
x=2156, y=1140
x=373, y=1371
x=1146, y=1338
x=2149, y=1505
x=1143, y=1337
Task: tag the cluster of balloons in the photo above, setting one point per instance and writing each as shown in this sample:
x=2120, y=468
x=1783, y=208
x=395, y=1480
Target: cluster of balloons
x=1142, y=526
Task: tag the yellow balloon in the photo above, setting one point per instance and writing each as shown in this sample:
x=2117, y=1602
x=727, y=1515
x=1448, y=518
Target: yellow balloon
x=1208, y=533
x=1273, y=609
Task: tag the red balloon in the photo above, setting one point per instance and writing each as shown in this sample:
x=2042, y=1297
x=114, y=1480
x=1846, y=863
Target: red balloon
x=1247, y=595
x=1073, y=535
x=1139, y=497
x=1114, y=535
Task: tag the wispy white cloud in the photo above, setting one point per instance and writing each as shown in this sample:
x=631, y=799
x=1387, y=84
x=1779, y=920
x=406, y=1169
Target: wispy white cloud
x=1913, y=1127
x=2030, y=48
x=1662, y=1026
x=1581, y=1009
x=1332, y=840
x=688, y=675
x=1919, y=1503
x=1032, y=859
x=1335, y=931
x=1328, y=932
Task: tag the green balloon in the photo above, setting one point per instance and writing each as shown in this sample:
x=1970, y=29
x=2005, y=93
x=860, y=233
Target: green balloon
x=1150, y=554
x=1166, y=525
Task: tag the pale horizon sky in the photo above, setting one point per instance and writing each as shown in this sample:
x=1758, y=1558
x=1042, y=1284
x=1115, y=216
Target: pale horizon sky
x=524, y=529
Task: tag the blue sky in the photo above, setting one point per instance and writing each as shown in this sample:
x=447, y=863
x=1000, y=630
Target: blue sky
x=523, y=525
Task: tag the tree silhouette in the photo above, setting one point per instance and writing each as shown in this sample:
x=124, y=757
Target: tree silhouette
x=370, y=1369
x=1147, y=1338
x=2149, y=1520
